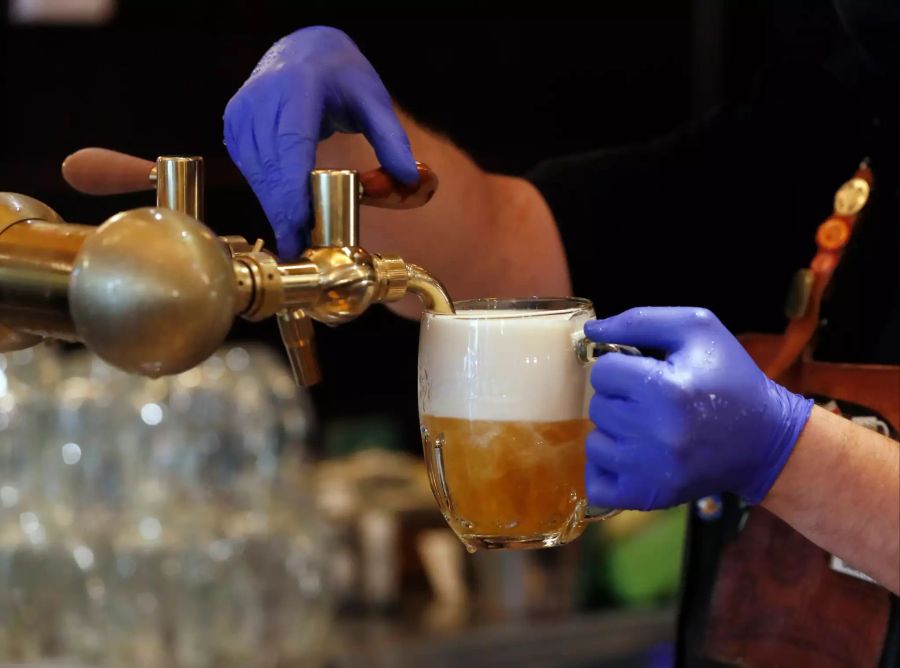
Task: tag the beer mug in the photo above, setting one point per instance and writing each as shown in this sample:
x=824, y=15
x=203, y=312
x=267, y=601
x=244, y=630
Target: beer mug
x=504, y=389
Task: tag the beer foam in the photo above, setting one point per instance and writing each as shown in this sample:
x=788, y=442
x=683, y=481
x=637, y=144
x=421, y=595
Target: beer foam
x=503, y=365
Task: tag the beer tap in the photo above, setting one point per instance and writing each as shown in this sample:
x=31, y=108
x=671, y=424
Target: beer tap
x=154, y=291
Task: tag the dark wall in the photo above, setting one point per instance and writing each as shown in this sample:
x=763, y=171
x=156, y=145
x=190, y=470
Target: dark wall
x=511, y=91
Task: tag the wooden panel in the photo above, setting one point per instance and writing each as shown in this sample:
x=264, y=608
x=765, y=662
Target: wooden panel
x=777, y=602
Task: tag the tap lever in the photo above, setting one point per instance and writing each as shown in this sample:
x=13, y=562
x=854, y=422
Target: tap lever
x=381, y=190
x=100, y=171
x=178, y=179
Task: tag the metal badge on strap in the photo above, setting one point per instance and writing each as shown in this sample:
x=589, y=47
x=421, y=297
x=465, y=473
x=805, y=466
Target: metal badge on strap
x=808, y=287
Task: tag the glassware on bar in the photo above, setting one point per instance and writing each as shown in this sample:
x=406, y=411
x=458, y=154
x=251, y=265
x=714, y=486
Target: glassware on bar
x=158, y=522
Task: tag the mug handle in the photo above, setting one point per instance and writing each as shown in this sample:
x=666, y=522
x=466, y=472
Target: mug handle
x=587, y=352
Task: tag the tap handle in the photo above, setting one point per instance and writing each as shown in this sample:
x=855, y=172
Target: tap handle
x=179, y=180
x=337, y=193
x=381, y=190
x=100, y=171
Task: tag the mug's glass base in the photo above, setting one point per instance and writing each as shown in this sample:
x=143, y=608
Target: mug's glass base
x=475, y=542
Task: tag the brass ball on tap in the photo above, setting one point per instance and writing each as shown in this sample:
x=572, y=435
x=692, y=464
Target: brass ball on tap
x=153, y=291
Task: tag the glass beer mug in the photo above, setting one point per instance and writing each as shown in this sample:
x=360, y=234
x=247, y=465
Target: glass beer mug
x=504, y=388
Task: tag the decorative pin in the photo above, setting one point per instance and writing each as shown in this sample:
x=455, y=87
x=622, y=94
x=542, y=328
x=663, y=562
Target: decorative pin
x=709, y=508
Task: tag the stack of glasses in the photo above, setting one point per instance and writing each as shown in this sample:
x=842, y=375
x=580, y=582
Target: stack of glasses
x=157, y=522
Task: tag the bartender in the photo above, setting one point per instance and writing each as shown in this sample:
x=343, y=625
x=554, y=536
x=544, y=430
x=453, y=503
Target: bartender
x=749, y=182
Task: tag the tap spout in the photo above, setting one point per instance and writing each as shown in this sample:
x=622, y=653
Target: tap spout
x=430, y=290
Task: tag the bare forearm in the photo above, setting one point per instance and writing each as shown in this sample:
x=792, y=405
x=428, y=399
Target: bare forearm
x=479, y=233
x=841, y=489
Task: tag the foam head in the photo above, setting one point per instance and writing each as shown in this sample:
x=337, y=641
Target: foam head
x=503, y=365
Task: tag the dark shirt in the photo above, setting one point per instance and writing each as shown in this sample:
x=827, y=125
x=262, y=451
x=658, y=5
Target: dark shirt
x=721, y=214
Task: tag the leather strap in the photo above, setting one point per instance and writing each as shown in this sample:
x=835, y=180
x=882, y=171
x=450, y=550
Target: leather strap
x=810, y=285
x=874, y=385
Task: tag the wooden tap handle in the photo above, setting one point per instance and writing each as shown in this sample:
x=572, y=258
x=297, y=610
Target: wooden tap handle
x=382, y=190
x=100, y=171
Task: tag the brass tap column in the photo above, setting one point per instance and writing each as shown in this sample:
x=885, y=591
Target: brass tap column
x=180, y=184
x=335, y=198
x=327, y=273
x=36, y=262
x=37, y=253
x=153, y=290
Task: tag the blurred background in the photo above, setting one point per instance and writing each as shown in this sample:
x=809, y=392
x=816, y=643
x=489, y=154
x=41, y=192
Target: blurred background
x=150, y=78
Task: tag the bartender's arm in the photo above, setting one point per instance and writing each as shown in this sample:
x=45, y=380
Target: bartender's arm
x=841, y=489
x=717, y=423
x=705, y=420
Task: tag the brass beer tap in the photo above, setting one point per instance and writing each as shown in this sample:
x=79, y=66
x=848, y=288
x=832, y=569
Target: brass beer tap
x=154, y=291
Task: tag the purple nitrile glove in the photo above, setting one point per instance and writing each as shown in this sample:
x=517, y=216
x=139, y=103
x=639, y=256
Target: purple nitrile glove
x=704, y=421
x=309, y=85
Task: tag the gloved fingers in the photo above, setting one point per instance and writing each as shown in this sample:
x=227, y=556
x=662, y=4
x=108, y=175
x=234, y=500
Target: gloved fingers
x=237, y=120
x=616, y=417
x=601, y=486
x=288, y=207
x=663, y=328
x=606, y=452
x=375, y=116
x=251, y=137
x=289, y=190
x=607, y=489
x=627, y=377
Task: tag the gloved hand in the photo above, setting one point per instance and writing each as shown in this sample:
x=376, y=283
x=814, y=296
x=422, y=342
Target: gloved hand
x=704, y=421
x=309, y=85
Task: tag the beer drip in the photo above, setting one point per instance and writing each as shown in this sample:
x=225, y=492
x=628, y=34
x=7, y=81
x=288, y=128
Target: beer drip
x=154, y=291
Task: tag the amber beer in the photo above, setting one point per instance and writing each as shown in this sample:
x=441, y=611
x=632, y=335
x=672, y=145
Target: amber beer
x=503, y=409
x=521, y=480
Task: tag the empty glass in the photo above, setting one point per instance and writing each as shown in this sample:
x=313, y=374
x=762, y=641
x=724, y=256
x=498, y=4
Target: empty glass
x=157, y=522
